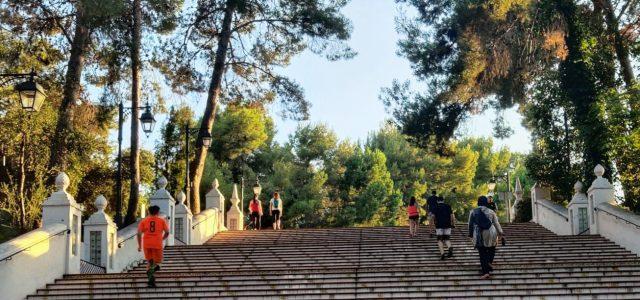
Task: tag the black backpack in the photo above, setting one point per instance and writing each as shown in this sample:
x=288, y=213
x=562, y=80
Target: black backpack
x=481, y=219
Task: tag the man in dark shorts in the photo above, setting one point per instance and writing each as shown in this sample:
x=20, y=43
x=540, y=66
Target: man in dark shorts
x=444, y=220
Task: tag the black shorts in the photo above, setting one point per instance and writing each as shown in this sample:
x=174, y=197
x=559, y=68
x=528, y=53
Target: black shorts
x=276, y=214
x=415, y=218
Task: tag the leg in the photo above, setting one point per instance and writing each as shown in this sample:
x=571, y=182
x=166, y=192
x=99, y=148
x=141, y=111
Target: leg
x=484, y=262
x=491, y=253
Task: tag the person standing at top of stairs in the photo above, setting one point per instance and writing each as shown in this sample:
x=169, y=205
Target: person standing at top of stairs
x=484, y=231
x=255, y=212
x=443, y=219
x=152, y=231
x=492, y=204
x=414, y=216
x=275, y=210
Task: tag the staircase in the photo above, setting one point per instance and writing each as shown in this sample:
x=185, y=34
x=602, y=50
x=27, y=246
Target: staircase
x=372, y=263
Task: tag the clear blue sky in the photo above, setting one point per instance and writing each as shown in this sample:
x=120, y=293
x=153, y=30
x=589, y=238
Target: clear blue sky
x=344, y=94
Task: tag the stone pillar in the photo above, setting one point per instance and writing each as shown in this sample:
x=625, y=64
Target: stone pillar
x=100, y=237
x=162, y=198
x=235, y=218
x=578, y=207
x=183, y=220
x=215, y=199
x=538, y=191
x=61, y=208
x=517, y=192
x=600, y=191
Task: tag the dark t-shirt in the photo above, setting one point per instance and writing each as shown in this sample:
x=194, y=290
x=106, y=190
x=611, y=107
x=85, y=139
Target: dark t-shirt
x=442, y=214
x=432, y=202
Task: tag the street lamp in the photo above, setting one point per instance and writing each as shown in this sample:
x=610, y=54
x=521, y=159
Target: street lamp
x=257, y=188
x=31, y=97
x=205, y=140
x=148, y=122
x=31, y=93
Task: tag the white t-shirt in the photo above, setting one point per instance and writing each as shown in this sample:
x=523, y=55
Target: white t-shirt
x=276, y=207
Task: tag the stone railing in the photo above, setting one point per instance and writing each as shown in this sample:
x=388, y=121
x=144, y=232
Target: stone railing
x=57, y=244
x=32, y=260
x=595, y=212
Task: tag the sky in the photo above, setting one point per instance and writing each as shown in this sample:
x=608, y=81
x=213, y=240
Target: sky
x=344, y=94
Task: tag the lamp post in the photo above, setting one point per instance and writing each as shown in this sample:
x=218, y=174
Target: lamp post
x=32, y=97
x=507, y=177
x=31, y=93
x=205, y=141
x=148, y=122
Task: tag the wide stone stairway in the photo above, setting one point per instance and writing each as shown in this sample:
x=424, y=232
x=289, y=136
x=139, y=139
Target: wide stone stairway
x=372, y=263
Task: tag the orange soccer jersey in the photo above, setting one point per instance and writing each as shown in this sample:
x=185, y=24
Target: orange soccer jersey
x=153, y=229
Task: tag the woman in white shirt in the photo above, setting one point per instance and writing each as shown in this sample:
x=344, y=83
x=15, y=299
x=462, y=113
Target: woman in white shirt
x=275, y=210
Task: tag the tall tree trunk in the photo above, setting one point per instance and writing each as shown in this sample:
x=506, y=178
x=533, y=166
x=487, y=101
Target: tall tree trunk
x=215, y=87
x=71, y=92
x=622, y=51
x=579, y=83
x=134, y=161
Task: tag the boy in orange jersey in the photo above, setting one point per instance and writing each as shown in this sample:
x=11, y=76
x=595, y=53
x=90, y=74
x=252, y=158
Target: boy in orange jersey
x=152, y=231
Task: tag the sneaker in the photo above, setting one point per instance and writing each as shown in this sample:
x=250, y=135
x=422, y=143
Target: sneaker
x=157, y=268
x=443, y=256
x=450, y=252
x=152, y=283
x=485, y=276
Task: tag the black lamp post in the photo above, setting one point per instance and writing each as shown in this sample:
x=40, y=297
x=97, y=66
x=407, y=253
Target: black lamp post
x=32, y=97
x=148, y=122
x=205, y=141
x=31, y=93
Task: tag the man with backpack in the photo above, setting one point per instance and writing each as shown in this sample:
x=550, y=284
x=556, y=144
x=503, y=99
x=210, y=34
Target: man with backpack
x=484, y=231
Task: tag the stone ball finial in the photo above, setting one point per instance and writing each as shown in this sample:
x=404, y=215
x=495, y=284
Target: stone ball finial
x=101, y=203
x=181, y=197
x=62, y=181
x=599, y=170
x=162, y=182
x=215, y=184
x=578, y=186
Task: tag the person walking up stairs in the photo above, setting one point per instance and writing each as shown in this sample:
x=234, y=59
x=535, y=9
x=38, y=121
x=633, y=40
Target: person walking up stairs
x=152, y=231
x=444, y=221
x=484, y=231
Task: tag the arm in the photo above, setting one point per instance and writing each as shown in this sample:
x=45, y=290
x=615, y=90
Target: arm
x=139, y=238
x=497, y=224
x=453, y=220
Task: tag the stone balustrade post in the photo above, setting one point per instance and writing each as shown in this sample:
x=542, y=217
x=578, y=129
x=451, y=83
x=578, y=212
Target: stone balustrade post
x=100, y=237
x=183, y=220
x=578, y=207
x=538, y=192
x=235, y=217
x=162, y=198
x=62, y=208
x=215, y=199
x=600, y=191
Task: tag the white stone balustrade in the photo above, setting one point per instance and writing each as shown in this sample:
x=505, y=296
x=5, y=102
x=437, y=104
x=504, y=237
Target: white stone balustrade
x=162, y=198
x=183, y=221
x=593, y=213
x=100, y=238
x=235, y=217
x=215, y=199
x=36, y=258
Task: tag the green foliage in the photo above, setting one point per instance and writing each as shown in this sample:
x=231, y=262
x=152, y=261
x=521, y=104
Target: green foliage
x=239, y=131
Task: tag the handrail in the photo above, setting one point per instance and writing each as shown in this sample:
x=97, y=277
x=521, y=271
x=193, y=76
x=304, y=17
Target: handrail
x=207, y=218
x=179, y=240
x=583, y=231
x=618, y=217
x=123, y=241
x=9, y=257
x=552, y=209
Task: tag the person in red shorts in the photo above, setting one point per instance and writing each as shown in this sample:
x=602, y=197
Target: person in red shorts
x=152, y=231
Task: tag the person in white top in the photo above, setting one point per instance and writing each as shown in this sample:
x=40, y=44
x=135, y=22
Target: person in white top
x=275, y=210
